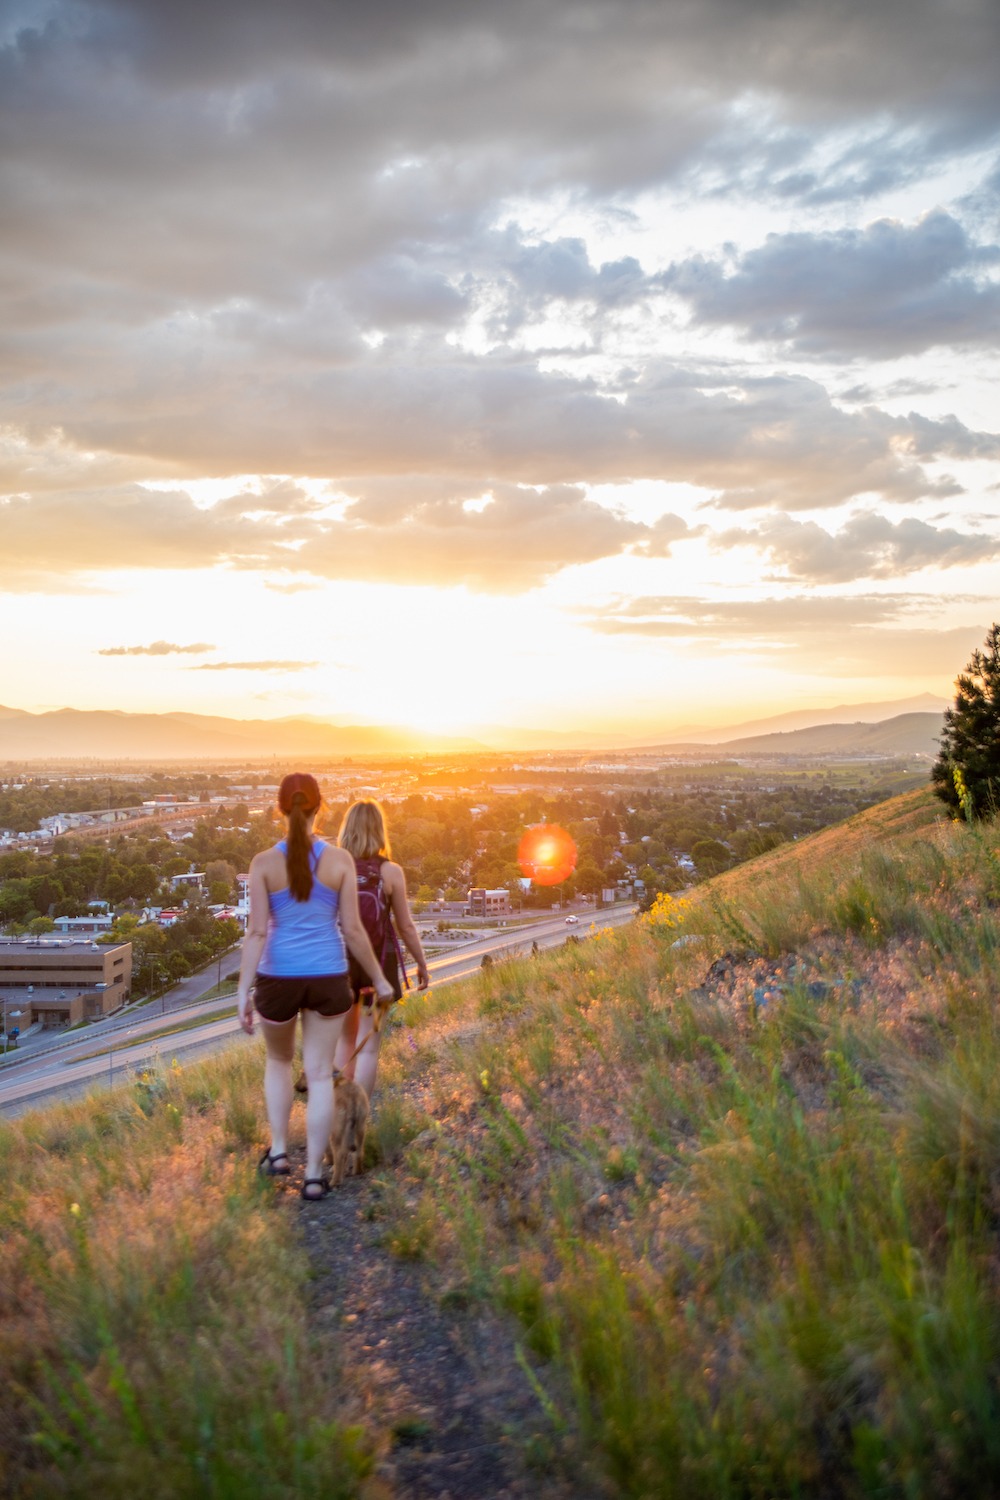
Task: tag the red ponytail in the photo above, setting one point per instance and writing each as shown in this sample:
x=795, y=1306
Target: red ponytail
x=298, y=799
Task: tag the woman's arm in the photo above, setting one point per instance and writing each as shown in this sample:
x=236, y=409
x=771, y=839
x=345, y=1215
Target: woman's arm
x=396, y=886
x=351, y=924
x=253, y=942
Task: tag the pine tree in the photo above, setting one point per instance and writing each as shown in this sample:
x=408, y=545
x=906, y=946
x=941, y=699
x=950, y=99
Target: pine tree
x=966, y=774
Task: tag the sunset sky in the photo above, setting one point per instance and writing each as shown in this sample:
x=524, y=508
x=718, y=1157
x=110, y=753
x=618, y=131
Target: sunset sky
x=552, y=363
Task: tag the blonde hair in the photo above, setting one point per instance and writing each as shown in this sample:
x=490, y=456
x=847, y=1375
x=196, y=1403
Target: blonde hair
x=363, y=833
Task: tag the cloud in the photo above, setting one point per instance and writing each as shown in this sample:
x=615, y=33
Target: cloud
x=275, y=181
x=254, y=666
x=869, y=545
x=439, y=531
x=398, y=530
x=835, y=635
x=552, y=90
x=158, y=648
x=247, y=238
x=769, y=618
x=753, y=441
x=472, y=425
x=884, y=290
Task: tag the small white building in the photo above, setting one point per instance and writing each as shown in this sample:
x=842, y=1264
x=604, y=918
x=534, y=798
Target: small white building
x=77, y=926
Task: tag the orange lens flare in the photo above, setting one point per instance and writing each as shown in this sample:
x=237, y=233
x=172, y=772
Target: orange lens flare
x=547, y=854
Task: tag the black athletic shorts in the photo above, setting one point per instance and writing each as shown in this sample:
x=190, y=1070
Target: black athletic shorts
x=281, y=999
x=360, y=980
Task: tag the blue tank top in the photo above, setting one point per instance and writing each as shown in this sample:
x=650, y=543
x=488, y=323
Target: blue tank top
x=303, y=938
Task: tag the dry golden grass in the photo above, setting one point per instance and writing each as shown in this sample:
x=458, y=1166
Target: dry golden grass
x=153, y=1327
x=741, y=1213
x=739, y=1194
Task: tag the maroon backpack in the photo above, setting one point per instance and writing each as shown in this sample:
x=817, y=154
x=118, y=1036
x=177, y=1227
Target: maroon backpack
x=376, y=914
x=373, y=904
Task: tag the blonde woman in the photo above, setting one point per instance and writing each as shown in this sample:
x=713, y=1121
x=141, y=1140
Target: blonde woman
x=385, y=912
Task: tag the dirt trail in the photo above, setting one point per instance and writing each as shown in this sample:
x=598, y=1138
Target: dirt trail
x=442, y=1385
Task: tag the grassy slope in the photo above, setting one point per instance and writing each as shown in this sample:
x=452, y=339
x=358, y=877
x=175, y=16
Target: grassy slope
x=739, y=1194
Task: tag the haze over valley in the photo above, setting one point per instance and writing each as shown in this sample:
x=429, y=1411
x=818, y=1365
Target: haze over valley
x=74, y=735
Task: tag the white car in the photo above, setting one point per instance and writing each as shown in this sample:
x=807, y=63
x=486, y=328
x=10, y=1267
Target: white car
x=570, y=920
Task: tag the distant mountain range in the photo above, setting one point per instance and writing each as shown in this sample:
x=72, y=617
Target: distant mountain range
x=907, y=726
x=805, y=718
x=101, y=734
x=905, y=734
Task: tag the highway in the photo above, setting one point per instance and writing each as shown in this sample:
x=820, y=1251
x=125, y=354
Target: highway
x=109, y=1052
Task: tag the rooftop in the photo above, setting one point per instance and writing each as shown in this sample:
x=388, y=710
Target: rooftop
x=54, y=948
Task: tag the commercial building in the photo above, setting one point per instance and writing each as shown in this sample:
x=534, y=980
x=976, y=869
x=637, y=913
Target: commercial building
x=59, y=982
x=486, y=903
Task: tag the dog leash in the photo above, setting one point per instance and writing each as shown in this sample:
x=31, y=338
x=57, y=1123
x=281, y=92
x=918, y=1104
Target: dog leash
x=380, y=1009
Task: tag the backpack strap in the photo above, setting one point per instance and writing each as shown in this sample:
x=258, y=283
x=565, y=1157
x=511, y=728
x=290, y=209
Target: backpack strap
x=400, y=960
x=391, y=935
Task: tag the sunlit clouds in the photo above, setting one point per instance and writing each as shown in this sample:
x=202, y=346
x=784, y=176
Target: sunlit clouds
x=604, y=362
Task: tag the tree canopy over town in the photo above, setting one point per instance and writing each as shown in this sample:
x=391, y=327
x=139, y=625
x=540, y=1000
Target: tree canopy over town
x=636, y=831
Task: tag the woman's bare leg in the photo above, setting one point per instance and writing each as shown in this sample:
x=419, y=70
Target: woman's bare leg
x=320, y=1035
x=348, y=1041
x=279, y=1039
x=366, y=1062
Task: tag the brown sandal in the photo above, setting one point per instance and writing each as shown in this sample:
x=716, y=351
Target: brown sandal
x=268, y=1164
x=323, y=1183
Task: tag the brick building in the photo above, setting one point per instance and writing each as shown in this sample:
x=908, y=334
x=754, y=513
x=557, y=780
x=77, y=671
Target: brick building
x=62, y=981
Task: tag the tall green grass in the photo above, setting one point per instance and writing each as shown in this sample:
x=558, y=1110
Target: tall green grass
x=753, y=1250
x=744, y=1221
x=153, y=1330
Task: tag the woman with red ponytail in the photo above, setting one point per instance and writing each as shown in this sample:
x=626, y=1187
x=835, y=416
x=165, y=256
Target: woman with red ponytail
x=303, y=905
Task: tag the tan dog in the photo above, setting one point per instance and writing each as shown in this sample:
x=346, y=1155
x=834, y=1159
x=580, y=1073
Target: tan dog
x=350, y=1121
x=380, y=1009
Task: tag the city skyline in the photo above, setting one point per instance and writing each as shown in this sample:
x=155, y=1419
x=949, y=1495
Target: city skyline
x=564, y=365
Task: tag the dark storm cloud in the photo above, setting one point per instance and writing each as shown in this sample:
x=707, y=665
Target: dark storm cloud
x=867, y=546
x=885, y=290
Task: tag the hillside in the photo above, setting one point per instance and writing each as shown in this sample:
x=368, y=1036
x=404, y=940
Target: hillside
x=809, y=718
x=906, y=734
x=707, y=1207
